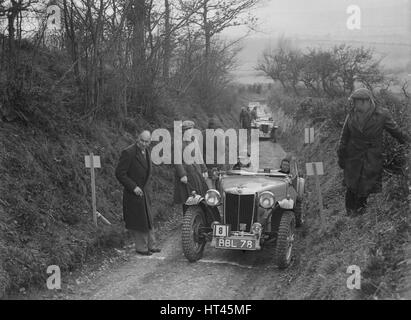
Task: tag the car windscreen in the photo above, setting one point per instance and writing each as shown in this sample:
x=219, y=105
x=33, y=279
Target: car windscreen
x=247, y=172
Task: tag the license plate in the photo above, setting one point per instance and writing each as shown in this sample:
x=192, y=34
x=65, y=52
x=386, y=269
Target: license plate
x=224, y=243
x=221, y=230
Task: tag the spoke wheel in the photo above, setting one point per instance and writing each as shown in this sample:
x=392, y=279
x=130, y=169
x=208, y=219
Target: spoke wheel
x=285, y=240
x=193, y=240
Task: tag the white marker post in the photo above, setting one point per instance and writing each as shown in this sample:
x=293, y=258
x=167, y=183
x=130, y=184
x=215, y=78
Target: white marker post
x=309, y=135
x=316, y=169
x=93, y=162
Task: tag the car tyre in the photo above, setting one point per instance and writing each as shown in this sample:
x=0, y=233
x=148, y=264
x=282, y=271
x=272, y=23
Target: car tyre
x=193, y=243
x=285, y=240
x=299, y=214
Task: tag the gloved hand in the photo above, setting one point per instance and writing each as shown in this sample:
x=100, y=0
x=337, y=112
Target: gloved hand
x=205, y=175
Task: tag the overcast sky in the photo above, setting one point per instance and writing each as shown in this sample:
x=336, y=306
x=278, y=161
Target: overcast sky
x=320, y=17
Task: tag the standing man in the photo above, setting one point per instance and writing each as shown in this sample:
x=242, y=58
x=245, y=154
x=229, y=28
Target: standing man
x=254, y=114
x=134, y=173
x=360, y=149
x=189, y=177
x=245, y=119
x=217, y=148
x=245, y=122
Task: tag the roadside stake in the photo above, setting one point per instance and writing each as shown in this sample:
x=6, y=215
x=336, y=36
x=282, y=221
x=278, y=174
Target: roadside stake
x=316, y=169
x=309, y=135
x=99, y=215
x=93, y=162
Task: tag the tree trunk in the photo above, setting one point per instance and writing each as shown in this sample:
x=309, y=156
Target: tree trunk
x=11, y=48
x=138, y=51
x=206, y=80
x=72, y=43
x=167, y=42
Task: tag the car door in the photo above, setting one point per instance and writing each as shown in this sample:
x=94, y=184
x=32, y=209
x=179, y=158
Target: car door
x=299, y=181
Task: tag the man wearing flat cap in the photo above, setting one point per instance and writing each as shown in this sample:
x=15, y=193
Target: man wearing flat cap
x=189, y=177
x=361, y=147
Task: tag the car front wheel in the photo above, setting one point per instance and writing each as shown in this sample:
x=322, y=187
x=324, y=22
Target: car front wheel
x=193, y=241
x=285, y=240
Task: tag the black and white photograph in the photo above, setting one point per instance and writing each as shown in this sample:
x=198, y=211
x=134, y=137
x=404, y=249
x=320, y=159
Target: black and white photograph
x=205, y=155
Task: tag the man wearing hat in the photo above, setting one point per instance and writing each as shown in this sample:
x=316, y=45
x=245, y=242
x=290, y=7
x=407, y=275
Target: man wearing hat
x=360, y=149
x=245, y=119
x=189, y=177
x=218, y=146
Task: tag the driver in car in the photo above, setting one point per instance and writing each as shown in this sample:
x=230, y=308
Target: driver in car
x=243, y=162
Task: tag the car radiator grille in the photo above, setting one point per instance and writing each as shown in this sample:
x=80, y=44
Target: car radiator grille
x=239, y=209
x=264, y=128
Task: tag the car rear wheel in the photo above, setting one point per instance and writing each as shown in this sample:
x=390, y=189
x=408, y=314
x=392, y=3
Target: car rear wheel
x=193, y=241
x=299, y=214
x=285, y=240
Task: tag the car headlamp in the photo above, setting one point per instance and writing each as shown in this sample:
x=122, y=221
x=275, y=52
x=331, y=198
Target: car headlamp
x=213, y=198
x=267, y=200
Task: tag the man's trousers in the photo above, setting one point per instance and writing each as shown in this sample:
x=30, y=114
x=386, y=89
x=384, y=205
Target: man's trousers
x=144, y=241
x=354, y=204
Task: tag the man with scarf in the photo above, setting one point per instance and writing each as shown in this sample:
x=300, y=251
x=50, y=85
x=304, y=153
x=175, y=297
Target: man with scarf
x=360, y=149
x=189, y=177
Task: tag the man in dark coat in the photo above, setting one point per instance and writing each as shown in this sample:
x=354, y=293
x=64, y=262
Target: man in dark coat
x=254, y=114
x=360, y=149
x=212, y=164
x=189, y=177
x=134, y=173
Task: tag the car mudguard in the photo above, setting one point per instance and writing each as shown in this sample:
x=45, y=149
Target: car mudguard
x=194, y=200
x=211, y=214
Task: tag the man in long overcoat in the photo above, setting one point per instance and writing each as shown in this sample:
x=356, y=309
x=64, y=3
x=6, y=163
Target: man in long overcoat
x=189, y=177
x=134, y=173
x=254, y=114
x=218, y=146
x=360, y=149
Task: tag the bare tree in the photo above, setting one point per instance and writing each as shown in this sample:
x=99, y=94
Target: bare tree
x=213, y=17
x=332, y=72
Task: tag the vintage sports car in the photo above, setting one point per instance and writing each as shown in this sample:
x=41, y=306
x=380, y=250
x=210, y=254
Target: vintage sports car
x=247, y=209
x=266, y=127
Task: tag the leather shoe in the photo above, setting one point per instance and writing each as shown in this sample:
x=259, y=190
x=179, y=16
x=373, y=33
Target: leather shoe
x=144, y=253
x=155, y=250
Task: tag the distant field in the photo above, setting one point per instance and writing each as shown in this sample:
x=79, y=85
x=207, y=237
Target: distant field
x=395, y=55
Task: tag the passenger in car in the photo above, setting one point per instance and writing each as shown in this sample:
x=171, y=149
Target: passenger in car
x=285, y=166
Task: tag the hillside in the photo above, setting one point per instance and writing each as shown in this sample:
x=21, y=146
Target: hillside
x=45, y=196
